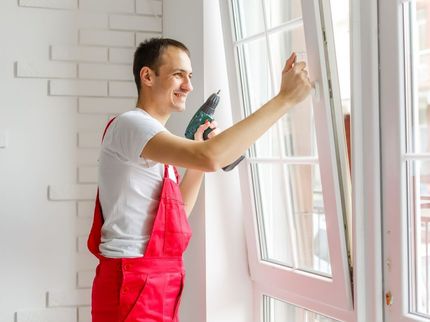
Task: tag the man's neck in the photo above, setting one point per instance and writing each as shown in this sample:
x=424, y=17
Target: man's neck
x=154, y=112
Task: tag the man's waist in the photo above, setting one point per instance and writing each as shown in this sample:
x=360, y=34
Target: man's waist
x=145, y=264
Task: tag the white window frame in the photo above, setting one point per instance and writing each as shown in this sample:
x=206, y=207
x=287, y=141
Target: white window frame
x=294, y=286
x=394, y=97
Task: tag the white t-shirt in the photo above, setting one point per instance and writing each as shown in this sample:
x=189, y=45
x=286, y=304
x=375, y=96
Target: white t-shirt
x=129, y=186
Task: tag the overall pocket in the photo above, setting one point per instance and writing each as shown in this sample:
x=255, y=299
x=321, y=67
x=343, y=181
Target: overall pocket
x=175, y=317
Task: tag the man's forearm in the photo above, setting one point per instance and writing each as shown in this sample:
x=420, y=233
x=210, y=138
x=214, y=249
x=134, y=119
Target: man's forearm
x=190, y=187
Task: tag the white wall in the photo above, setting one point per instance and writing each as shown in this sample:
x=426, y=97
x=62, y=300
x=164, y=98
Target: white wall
x=65, y=68
x=218, y=285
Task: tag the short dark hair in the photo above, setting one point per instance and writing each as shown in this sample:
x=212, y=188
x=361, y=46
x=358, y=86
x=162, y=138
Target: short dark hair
x=149, y=52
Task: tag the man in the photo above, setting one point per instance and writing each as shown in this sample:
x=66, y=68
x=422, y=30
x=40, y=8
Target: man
x=140, y=228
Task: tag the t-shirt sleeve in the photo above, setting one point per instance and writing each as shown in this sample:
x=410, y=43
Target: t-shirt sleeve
x=132, y=132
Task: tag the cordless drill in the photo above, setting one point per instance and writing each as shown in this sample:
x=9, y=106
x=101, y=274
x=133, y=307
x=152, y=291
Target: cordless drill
x=203, y=114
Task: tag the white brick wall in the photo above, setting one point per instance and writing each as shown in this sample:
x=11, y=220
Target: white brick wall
x=91, y=122
x=85, y=261
x=122, y=89
x=85, y=279
x=138, y=23
x=69, y=298
x=89, y=139
x=45, y=69
x=87, y=20
x=87, y=174
x=49, y=4
x=88, y=61
x=84, y=314
x=72, y=192
x=109, y=105
x=81, y=244
x=83, y=225
x=107, y=38
x=87, y=156
x=81, y=53
x=142, y=36
x=77, y=88
x=85, y=209
x=149, y=7
x=121, y=55
x=101, y=71
x=63, y=314
x=110, y=6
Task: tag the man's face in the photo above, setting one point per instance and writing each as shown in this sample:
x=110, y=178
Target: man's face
x=173, y=83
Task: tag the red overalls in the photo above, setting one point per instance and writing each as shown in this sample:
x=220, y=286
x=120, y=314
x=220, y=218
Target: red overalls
x=148, y=288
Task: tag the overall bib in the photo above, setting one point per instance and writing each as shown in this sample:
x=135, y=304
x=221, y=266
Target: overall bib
x=147, y=288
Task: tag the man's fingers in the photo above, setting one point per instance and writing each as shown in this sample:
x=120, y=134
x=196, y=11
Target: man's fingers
x=199, y=133
x=299, y=66
x=290, y=62
x=213, y=133
x=213, y=125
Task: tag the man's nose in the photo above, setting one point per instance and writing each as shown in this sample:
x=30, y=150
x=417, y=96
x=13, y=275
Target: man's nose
x=187, y=85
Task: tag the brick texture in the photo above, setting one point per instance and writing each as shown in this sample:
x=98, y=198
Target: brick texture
x=90, y=66
x=49, y=4
x=47, y=315
x=122, y=89
x=69, y=298
x=149, y=7
x=79, y=53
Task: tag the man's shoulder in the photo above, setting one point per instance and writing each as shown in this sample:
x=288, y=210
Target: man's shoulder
x=138, y=118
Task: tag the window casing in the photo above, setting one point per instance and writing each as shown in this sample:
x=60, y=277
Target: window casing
x=297, y=237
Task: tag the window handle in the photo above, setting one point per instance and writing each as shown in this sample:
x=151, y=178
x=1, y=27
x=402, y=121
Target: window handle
x=316, y=90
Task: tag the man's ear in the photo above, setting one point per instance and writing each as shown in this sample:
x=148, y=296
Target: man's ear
x=146, y=76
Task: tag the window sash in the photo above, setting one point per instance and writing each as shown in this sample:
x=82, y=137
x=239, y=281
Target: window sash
x=300, y=287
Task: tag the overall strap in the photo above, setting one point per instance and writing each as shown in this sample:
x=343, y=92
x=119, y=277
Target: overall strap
x=94, y=238
x=109, y=123
x=166, y=172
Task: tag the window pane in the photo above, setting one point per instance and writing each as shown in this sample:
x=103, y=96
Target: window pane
x=257, y=90
x=309, y=218
x=419, y=219
x=291, y=216
x=281, y=11
x=297, y=127
x=418, y=141
x=279, y=311
x=340, y=19
x=419, y=114
x=248, y=18
x=272, y=213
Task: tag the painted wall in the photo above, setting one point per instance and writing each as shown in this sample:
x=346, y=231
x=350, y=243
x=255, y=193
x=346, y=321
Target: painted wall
x=65, y=69
x=218, y=284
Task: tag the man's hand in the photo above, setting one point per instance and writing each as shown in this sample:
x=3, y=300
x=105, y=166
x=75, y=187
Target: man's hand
x=295, y=84
x=198, y=136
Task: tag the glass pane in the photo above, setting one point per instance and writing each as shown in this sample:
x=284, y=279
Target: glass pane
x=248, y=18
x=281, y=11
x=282, y=44
x=340, y=19
x=290, y=197
x=309, y=218
x=419, y=115
x=279, y=311
x=272, y=213
x=257, y=90
x=297, y=127
x=419, y=239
